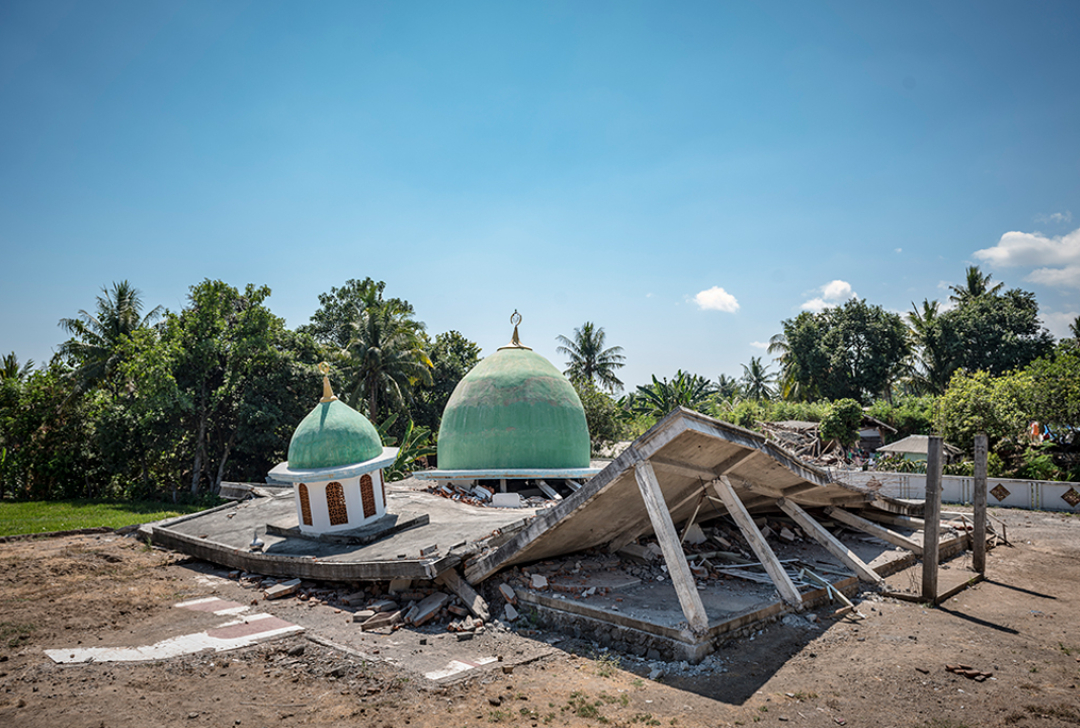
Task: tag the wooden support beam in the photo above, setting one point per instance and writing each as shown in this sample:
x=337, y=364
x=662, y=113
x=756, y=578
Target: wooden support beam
x=678, y=569
x=757, y=542
x=833, y=545
x=978, y=542
x=874, y=529
x=932, y=516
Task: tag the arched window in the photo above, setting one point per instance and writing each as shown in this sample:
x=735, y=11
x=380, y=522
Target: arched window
x=305, y=505
x=335, y=504
x=367, y=495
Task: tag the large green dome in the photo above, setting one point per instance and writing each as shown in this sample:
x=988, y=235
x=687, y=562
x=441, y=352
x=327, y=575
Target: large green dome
x=332, y=435
x=513, y=410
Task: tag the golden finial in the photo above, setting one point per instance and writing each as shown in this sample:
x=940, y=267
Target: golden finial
x=515, y=342
x=327, y=393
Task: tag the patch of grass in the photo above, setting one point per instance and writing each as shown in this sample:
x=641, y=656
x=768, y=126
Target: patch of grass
x=622, y=700
x=1068, y=652
x=646, y=718
x=13, y=634
x=638, y=683
x=607, y=665
x=19, y=517
x=580, y=705
x=498, y=716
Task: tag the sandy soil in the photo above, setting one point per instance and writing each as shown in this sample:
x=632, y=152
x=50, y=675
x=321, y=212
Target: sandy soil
x=884, y=669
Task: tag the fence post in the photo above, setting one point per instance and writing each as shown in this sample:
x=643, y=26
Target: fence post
x=978, y=546
x=931, y=520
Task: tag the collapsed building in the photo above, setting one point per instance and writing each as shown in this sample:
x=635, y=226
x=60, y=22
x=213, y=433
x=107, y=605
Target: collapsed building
x=697, y=532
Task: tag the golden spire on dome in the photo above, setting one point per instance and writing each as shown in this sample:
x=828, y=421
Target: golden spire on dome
x=327, y=393
x=515, y=342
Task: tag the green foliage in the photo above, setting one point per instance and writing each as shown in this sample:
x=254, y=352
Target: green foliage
x=415, y=445
x=852, y=351
x=684, y=390
x=909, y=415
x=452, y=356
x=996, y=333
x=604, y=417
x=1038, y=464
x=979, y=402
x=757, y=382
x=841, y=422
x=589, y=360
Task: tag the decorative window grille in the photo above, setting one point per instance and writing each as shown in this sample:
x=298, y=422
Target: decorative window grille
x=335, y=504
x=305, y=505
x=367, y=495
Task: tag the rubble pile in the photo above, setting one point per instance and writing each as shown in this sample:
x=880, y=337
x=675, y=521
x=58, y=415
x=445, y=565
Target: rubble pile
x=375, y=606
x=805, y=443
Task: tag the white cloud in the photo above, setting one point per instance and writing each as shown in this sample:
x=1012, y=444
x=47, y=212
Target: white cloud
x=716, y=299
x=1057, y=217
x=1067, y=277
x=898, y=250
x=1058, y=322
x=759, y=344
x=1021, y=249
x=833, y=293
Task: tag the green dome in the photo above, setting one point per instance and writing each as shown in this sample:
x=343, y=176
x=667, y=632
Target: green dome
x=513, y=410
x=332, y=435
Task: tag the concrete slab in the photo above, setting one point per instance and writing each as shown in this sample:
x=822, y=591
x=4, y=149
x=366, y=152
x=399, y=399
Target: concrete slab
x=222, y=535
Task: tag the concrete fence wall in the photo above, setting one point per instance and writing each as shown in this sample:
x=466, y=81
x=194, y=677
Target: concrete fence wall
x=1040, y=495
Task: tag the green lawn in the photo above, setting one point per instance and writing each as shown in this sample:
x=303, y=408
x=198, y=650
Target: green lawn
x=40, y=516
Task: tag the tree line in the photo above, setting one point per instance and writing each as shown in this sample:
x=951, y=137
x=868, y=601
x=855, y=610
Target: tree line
x=158, y=403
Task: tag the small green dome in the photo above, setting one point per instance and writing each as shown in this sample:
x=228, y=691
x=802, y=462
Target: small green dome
x=513, y=410
x=332, y=435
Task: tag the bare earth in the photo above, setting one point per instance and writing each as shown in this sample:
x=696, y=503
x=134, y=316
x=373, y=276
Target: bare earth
x=884, y=669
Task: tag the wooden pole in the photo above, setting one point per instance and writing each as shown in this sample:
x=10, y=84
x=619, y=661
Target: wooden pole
x=978, y=547
x=668, y=538
x=932, y=518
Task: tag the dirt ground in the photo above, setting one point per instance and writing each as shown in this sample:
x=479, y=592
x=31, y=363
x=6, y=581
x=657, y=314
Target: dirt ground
x=886, y=668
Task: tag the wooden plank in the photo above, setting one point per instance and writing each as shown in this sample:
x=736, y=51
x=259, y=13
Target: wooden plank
x=476, y=604
x=978, y=538
x=678, y=569
x=874, y=529
x=932, y=516
x=833, y=545
x=757, y=542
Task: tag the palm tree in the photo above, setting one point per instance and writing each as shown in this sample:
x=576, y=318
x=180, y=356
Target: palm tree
x=1074, y=327
x=757, y=381
x=385, y=357
x=10, y=369
x=975, y=285
x=96, y=339
x=684, y=390
x=589, y=360
x=727, y=387
x=932, y=363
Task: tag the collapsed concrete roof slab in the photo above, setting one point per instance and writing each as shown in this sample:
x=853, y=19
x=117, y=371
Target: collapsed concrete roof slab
x=688, y=452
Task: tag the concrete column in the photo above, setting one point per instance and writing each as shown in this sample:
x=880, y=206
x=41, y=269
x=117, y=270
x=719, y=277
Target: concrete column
x=932, y=518
x=978, y=546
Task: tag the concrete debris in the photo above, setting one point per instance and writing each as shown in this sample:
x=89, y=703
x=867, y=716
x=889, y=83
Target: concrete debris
x=694, y=535
x=508, y=593
x=509, y=613
x=284, y=589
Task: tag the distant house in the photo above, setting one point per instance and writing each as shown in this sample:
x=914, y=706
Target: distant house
x=872, y=433
x=914, y=447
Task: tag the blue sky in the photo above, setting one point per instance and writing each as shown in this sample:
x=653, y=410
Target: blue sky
x=684, y=175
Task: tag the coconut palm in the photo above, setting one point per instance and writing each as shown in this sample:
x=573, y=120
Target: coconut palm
x=976, y=284
x=931, y=363
x=589, y=360
x=727, y=387
x=94, y=348
x=10, y=369
x=757, y=381
x=385, y=357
